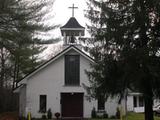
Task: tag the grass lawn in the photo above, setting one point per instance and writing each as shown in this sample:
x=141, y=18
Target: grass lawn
x=136, y=116
x=132, y=116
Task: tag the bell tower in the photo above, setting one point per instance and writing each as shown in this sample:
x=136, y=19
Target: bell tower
x=72, y=31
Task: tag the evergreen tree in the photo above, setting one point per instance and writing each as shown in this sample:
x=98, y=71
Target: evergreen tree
x=126, y=48
x=22, y=30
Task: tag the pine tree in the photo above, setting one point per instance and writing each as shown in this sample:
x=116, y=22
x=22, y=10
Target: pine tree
x=22, y=30
x=126, y=48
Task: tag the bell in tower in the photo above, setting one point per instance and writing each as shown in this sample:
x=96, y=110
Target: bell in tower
x=72, y=30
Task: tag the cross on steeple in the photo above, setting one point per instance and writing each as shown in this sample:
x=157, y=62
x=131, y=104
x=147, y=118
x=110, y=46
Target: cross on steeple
x=73, y=7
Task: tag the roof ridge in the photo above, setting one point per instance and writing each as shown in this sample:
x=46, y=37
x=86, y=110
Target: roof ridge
x=54, y=57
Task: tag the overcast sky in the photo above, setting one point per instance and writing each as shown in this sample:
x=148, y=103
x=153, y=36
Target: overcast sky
x=62, y=13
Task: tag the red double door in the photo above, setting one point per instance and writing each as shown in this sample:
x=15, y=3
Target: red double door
x=72, y=105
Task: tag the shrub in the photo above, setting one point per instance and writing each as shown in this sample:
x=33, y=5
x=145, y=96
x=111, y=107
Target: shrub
x=105, y=115
x=44, y=116
x=99, y=116
x=113, y=117
x=49, y=114
x=118, y=113
x=57, y=114
x=93, y=113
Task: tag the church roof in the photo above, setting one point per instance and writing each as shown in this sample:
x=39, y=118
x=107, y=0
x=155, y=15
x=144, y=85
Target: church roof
x=72, y=23
x=23, y=80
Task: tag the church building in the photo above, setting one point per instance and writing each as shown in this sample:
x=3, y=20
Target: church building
x=58, y=83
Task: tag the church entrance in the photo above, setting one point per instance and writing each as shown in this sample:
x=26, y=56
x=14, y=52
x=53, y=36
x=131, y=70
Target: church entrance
x=72, y=105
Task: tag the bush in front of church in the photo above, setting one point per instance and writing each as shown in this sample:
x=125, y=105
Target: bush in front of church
x=93, y=113
x=49, y=114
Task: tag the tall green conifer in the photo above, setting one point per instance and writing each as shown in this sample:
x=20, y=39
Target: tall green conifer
x=126, y=48
x=22, y=32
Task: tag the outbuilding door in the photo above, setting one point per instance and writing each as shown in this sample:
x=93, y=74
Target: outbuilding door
x=72, y=105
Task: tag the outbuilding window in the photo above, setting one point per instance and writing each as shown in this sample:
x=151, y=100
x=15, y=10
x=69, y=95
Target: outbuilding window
x=101, y=103
x=141, y=101
x=135, y=101
x=138, y=101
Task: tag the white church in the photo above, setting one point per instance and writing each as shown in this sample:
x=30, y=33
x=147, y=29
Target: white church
x=58, y=83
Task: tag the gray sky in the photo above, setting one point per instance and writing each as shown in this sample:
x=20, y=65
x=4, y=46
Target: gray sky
x=62, y=13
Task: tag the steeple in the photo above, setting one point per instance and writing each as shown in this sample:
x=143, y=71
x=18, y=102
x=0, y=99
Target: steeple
x=72, y=30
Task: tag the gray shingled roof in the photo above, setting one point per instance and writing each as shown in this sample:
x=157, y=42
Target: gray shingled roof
x=72, y=23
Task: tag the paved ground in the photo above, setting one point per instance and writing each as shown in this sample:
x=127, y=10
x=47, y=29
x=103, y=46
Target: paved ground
x=9, y=116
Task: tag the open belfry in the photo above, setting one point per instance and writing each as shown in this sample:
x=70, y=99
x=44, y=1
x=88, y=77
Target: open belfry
x=72, y=30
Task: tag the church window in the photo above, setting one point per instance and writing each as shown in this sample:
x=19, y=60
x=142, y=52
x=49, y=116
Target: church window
x=72, y=70
x=43, y=103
